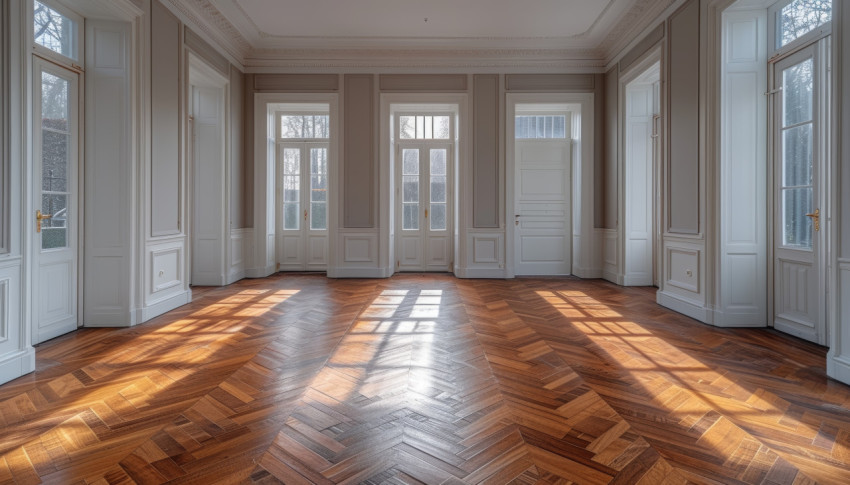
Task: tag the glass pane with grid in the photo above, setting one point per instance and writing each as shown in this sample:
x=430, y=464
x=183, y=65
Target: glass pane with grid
x=55, y=159
x=54, y=31
x=291, y=188
x=797, y=139
x=410, y=189
x=438, y=189
x=318, y=189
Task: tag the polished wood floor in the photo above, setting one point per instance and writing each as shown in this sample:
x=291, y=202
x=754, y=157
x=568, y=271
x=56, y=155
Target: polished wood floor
x=425, y=379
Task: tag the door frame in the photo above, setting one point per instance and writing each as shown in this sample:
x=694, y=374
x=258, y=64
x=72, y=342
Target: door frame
x=391, y=104
x=580, y=106
x=200, y=74
x=29, y=225
x=822, y=155
x=649, y=61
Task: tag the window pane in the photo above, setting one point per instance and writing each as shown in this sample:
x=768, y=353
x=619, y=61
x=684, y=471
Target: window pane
x=407, y=127
x=323, y=126
x=410, y=221
x=438, y=217
x=420, y=127
x=410, y=165
x=438, y=188
x=797, y=84
x=54, y=31
x=54, y=231
x=410, y=188
x=55, y=137
x=54, y=153
x=797, y=155
x=318, y=216
x=801, y=17
x=797, y=227
x=319, y=161
x=291, y=126
x=438, y=161
x=429, y=127
x=291, y=161
x=290, y=216
x=441, y=127
x=540, y=127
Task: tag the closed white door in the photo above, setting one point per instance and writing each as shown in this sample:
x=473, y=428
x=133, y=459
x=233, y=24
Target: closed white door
x=208, y=166
x=542, y=244
x=302, y=226
x=424, y=208
x=798, y=286
x=638, y=184
x=55, y=191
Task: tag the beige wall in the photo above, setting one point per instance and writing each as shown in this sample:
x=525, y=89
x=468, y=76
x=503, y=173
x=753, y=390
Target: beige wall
x=361, y=98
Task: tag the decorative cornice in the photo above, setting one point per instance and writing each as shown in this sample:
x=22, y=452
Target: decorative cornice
x=638, y=18
x=205, y=17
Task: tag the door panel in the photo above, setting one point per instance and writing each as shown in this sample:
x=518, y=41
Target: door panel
x=542, y=187
x=424, y=207
x=55, y=156
x=302, y=192
x=798, y=285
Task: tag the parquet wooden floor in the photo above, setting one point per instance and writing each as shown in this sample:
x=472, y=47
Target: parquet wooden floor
x=425, y=379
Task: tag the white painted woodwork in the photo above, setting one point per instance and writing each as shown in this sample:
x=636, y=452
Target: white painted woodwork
x=799, y=285
x=742, y=262
x=108, y=175
x=304, y=248
x=424, y=248
x=641, y=105
x=208, y=201
x=542, y=208
x=54, y=278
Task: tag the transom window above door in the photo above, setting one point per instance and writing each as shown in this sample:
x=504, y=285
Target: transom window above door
x=794, y=20
x=305, y=126
x=424, y=127
x=57, y=31
x=540, y=127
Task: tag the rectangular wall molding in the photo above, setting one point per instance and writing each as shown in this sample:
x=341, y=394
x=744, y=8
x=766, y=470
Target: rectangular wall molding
x=423, y=83
x=485, y=145
x=550, y=83
x=359, y=161
x=302, y=83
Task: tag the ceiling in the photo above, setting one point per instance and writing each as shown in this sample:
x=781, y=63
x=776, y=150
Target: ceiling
x=300, y=32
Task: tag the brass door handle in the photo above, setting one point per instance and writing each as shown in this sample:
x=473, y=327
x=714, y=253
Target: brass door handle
x=305, y=214
x=815, y=218
x=426, y=213
x=40, y=217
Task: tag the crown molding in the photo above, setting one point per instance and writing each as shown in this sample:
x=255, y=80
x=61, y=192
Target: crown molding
x=203, y=17
x=633, y=25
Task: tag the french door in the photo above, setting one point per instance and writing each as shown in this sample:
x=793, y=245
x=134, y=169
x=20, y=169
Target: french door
x=424, y=207
x=55, y=195
x=798, y=283
x=302, y=228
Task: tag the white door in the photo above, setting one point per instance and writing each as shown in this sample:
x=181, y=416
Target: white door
x=424, y=209
x=542, y=244
x=798, y=284
x=302, y=228
x=638, y=184
x=55, y=191
x=208, y=204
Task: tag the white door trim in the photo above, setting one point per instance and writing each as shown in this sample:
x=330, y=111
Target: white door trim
x=580, y=105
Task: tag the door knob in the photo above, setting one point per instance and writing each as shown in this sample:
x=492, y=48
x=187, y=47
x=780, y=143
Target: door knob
x=40, y=217
x=815, y=218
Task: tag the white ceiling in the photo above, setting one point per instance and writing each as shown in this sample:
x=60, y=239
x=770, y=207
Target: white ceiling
x=551, y=31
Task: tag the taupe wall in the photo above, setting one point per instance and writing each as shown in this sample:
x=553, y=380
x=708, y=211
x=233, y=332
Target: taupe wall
x=683, y=83
x=166, y=99
x=610, y=157
x=360, y=119
x=168, y=40
x=843, y=49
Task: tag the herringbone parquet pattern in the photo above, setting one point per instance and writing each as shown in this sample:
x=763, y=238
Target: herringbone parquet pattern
x=425, y=379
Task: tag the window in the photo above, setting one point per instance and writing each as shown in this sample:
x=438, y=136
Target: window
x=304, y=126
x=541, y=127
x=799, y=17
x=424, y=127
x=55, y=31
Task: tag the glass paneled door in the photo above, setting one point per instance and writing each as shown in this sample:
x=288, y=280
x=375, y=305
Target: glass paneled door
x=303, y=206
x=423, y=208
x=55, y=218
x=798, y=284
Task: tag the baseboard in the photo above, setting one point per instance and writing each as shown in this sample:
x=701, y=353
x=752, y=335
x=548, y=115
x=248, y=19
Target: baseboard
x=587, y=273
x=738, y=320
x=17, y=364
x=370, y=272
x=235, y=276
x=613, y=277
x=481, y=273
x=631, y=280
x=838, y=367
x=260, y=272
x=685, y=307
x=163, y=306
